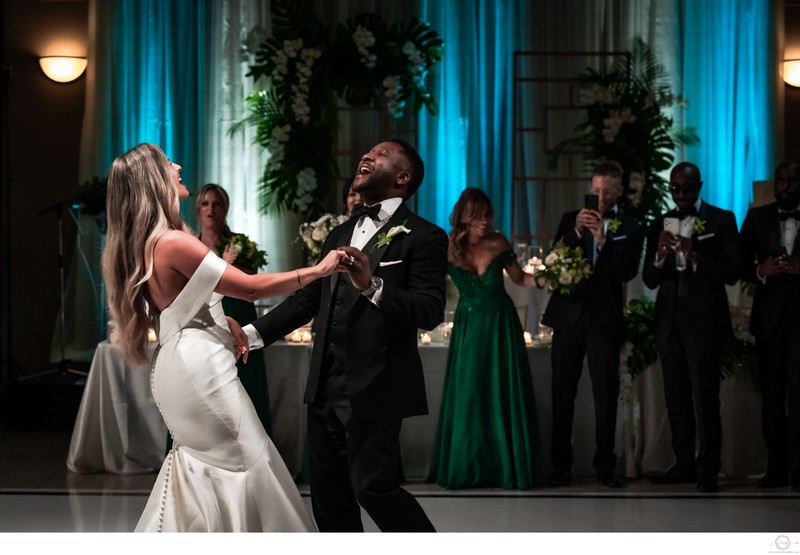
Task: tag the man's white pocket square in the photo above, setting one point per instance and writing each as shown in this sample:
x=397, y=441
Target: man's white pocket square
x=706, y=236
x=389, y=263
x=619, y=237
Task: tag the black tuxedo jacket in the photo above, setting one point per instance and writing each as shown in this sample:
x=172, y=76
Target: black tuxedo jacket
x=779, y=295
x=717, y=250
x=382, y=364
x=600, y=296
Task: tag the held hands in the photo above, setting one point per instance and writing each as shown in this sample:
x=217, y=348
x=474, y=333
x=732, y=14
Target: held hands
x=356, y=264
x=332, y=262
x=241, y=346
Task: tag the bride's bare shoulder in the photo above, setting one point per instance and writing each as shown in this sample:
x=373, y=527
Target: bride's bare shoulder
x=180, y=250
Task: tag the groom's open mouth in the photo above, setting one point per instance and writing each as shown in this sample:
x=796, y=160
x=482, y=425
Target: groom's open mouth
x=364, y=169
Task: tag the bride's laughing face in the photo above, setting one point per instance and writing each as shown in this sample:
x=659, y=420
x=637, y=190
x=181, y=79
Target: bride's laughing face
x=174, y=171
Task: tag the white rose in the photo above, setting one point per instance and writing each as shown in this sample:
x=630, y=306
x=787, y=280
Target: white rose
x=550, y=259
x=318, y=234
x=565, y=278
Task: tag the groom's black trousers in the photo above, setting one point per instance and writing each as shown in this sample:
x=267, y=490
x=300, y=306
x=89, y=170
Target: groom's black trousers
x=356, y=462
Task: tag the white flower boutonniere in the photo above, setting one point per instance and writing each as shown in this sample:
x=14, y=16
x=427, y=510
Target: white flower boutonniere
x=386, y=238
x=613, y=224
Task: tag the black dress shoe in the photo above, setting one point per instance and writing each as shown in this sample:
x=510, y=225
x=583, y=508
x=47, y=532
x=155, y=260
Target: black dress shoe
x=773, y=480
x=707, y=484
x=609, y=480
x=675, y=476
x=559, y=479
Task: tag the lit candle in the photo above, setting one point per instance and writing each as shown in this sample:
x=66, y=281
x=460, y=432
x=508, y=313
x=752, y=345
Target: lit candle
x=306, y=337
x=297, y=337
x=528, y=338
x=425, y=339
x=151, y=335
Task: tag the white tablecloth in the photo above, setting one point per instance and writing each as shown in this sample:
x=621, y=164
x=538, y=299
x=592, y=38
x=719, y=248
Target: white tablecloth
x=119, y=429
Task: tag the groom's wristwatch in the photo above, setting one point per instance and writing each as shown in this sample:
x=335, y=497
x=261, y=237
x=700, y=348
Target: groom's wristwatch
x=375, y=283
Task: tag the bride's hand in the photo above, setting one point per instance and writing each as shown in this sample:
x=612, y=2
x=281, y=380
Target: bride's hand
x=241, y=345
x=331, y=262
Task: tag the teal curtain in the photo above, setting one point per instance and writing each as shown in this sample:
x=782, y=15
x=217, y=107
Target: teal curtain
x=468, y=143
x=728, y=75
x=150, y=68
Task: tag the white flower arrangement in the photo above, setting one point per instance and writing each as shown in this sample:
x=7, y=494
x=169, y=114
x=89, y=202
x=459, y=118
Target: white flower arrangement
x=306, y=185
x=313, y=234
x=564, y=268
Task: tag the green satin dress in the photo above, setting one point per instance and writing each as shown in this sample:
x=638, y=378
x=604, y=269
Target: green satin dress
x=488, y=433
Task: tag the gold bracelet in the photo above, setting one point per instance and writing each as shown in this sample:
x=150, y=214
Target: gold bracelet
x=299, y=281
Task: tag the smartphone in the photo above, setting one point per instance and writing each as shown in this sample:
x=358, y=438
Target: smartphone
x=591, y=201
x=673, y=225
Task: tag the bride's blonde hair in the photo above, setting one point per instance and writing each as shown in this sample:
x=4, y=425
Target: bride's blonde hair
x=141, y=205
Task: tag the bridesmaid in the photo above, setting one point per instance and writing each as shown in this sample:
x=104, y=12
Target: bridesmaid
x=488, y=432
x=211, y=208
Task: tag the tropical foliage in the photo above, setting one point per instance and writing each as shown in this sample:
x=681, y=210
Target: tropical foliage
x=306, y=72
x=626, y=120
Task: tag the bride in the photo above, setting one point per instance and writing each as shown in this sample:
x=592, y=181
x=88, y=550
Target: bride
x=223, y=472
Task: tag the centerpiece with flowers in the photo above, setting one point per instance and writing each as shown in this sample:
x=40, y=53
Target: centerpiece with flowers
x=307, y=73
x=313, y=234
x=564, y=267
x=627, y=120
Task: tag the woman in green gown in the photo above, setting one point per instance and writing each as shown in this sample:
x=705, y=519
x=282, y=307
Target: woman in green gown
x=488, y=433
x=211, y=208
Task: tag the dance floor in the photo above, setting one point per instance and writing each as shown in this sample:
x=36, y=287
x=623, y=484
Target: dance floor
x=38, y=494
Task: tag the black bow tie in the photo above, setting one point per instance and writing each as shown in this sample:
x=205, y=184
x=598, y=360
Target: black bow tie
x=361, y=210
x=692, y=211
x=795, y=214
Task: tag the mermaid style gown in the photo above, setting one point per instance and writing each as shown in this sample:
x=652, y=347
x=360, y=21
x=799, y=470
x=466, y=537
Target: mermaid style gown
x=488, y=432
x=223, y=472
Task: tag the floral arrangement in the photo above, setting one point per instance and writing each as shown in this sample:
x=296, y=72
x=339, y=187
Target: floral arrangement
x=626, y=120
x=313, y=234
x=564, y=268
x=307, y=73
x=639, y=347
x=248, y=256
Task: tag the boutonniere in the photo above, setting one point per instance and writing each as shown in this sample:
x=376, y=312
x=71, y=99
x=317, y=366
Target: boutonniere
x=386, y=238
x=613, y=224
x=699, y=225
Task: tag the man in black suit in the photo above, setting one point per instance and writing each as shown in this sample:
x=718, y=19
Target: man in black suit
x=690, y=258
x=366, y=373
x=589, y=322
x=771, y=260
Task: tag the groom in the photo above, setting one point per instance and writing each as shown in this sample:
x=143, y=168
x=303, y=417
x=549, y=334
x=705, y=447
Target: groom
x=366, y=374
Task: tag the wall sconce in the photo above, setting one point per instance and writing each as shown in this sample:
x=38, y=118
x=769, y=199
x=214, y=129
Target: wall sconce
x=791, y=72
x=63, y=69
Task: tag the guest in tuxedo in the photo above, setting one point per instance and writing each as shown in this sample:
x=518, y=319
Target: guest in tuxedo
x=771, y=260
x=587, y=322
x=690, y=263
x=349, y=197
x=366, y=374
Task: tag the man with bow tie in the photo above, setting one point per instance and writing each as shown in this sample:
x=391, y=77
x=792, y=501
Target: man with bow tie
x=366, y=373
x=771, y=260
x=588, y=322
x=690, y=268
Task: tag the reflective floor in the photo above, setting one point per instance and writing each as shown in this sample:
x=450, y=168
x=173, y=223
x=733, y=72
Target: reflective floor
x=38, y=494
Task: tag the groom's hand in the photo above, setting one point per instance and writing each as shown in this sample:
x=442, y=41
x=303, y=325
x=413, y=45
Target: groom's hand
x=357, y=265
x=241, y=345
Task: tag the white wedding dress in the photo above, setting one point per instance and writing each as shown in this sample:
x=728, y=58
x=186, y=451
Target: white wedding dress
x=223, y=473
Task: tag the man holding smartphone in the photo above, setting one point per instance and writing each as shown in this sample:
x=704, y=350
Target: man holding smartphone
x=771, y=260
x=692, y=253
x=588, y=321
